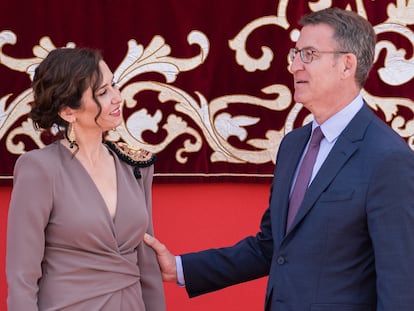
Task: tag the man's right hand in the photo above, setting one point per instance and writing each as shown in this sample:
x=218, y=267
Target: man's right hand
x=166, y=260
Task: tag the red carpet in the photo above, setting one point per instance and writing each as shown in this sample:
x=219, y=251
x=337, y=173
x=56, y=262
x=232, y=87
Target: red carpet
x=189, y=217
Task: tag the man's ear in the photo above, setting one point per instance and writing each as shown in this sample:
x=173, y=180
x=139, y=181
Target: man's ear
x=349, y=65
x=67, y=114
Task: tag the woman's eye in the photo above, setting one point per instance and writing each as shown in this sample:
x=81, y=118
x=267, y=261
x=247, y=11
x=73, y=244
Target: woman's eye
x=102, y=93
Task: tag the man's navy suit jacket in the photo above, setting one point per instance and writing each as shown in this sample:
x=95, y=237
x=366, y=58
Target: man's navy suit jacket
x=351, y=246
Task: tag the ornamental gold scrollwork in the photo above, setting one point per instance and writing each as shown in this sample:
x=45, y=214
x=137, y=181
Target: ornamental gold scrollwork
x=20, y=106
x=210, y=122
x=215, y=126
x=396, y=70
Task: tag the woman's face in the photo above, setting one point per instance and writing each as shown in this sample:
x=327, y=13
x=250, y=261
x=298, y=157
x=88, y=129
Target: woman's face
x=110, y=99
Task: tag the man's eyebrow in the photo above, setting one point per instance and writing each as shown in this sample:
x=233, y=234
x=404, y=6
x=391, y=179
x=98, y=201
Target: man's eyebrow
x=308, y=47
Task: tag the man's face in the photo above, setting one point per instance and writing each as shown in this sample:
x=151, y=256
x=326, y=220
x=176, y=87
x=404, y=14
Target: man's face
x=317, y=83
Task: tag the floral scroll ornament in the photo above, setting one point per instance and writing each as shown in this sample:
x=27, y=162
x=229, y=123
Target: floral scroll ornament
x=211, y=121
x=397, y=69
x=20, y=105
x=213, y=126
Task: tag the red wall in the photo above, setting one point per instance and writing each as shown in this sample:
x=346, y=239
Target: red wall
x=188, y=217
x=4, y=200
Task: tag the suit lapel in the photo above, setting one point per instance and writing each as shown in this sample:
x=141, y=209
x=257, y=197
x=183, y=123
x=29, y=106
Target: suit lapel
x=344, y=148
x=284, y=174
x=338, y=156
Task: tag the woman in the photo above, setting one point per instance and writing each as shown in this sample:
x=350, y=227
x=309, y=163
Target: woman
x=80, y=207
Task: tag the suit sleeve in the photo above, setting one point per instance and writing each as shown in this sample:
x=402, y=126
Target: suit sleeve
x=29, y=210
x=151, y=281
x=214, y=269
x=391, y=225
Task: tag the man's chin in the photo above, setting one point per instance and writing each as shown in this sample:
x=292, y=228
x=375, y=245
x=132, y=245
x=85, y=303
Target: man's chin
x=298, y=99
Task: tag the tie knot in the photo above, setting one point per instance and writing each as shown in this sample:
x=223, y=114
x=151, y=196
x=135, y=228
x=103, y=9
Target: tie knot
x=317, y=136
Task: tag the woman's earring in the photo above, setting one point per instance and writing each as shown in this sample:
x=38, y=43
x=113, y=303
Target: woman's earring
x=72, y=136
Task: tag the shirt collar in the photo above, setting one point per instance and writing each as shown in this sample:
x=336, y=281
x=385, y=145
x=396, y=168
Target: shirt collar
x=334, y=126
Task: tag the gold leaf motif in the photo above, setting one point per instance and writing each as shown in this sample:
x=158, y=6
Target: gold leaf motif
x=211, y=122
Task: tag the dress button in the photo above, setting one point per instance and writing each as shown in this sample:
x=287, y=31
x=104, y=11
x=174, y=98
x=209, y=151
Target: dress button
x=280, y=260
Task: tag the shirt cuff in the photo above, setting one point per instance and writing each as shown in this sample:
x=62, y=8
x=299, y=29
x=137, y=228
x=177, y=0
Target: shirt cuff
x=180, y=273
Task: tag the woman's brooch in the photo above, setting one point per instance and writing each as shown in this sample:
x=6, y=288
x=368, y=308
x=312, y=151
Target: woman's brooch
x=134, y=156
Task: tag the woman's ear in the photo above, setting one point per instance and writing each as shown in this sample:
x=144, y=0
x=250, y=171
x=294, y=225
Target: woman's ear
x=67, y=114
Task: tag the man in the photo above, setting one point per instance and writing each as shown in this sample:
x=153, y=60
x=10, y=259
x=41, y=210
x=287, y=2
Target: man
x=350, y=245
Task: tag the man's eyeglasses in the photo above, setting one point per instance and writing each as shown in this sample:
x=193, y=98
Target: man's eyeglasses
x=307, y=54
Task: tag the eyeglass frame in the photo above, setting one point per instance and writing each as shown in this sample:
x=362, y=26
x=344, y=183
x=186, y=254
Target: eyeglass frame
x=294, y=51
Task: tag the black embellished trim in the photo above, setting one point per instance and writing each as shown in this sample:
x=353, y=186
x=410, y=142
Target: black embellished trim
x=136, y=157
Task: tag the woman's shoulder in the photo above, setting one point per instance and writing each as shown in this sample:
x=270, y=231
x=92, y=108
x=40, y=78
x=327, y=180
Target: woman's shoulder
x=135, y=156
x=44, y=154
x=37, y=162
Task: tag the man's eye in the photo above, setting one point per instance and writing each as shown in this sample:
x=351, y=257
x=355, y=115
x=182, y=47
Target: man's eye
x=308, y=53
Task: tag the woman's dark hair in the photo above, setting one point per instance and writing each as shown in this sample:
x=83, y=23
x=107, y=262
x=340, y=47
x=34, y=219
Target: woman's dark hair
x=60, y=80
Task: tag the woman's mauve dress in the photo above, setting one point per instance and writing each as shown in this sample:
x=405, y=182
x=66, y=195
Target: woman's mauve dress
x=65, y=252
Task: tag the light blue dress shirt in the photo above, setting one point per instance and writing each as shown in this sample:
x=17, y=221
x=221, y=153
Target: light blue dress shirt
x=331, y=130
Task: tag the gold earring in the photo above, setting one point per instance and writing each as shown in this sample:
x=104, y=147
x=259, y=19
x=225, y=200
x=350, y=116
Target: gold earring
x=72, y=135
